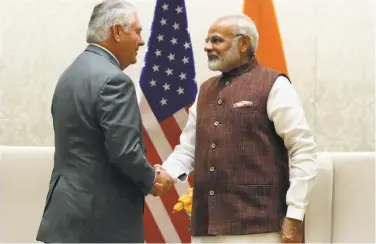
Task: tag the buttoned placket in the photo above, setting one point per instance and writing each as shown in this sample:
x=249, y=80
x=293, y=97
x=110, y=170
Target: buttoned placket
x=216, y=123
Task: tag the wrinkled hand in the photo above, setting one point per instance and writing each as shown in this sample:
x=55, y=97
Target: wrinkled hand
x=292, y=231
x=163, y=181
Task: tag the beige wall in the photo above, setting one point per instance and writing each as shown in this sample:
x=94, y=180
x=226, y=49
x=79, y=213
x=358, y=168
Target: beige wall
x=329, y=45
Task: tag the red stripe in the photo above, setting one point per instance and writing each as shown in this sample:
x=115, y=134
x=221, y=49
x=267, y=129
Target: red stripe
x=171, y=130
x=180, y=222
x=187, y=107
x=190, y=179
x=152, y=232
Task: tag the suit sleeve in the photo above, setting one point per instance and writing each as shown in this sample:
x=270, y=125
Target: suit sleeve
x=119, y=118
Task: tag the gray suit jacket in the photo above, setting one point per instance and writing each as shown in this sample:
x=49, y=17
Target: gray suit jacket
x=100, y=175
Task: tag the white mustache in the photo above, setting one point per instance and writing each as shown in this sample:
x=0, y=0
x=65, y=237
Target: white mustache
x=213, y=54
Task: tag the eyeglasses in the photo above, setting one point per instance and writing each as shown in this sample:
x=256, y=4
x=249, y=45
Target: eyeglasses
x=216, y=40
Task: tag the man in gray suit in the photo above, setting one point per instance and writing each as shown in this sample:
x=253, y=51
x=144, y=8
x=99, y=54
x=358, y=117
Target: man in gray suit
x=100, y=176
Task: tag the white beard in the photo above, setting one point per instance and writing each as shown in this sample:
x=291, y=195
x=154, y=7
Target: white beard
x=227, y=59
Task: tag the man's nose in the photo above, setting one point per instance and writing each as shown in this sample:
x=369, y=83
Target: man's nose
x=208, y=47
x=141, y=42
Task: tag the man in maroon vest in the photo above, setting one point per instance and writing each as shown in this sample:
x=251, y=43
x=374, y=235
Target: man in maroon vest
x=249, y=144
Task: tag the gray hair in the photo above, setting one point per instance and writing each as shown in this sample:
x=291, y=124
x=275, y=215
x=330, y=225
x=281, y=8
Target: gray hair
x=107, y=14
x=243, y=25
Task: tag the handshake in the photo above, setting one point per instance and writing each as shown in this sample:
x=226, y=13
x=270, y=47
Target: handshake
x=163, y=181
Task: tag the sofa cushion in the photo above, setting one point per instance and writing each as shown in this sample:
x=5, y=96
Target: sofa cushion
x=24, y=177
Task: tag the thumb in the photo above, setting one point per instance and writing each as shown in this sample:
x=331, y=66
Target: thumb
x=157, y=167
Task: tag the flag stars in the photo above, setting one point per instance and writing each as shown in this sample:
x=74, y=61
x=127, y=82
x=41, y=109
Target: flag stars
x=169, y=71
x=163, y=101
x=174, y=41
x=175, y=26
x=158, y=53
x=180, y=91
x=160, y=37
x=153, y=83
x=185, y=60
x=166, y=86
x=165, y=7
x=187, y=45
x=183, y=76
x=163, y=21
x=179, y=10
x=168, y=83
x=171, y=57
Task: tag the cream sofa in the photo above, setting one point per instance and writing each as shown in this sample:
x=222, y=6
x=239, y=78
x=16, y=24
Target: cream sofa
x=342, y=207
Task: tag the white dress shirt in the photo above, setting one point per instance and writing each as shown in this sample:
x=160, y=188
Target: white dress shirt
x=108, y=51
x=285, y=110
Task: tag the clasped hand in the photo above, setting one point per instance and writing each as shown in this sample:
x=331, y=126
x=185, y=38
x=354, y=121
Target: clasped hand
x=292, y=231
x=163, y=181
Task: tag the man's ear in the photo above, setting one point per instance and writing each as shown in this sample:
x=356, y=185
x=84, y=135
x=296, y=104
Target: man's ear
x=115, y=29
x=245, y=43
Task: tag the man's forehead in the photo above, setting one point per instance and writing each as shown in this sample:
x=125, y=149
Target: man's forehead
x=220, y=29
x=136, y=25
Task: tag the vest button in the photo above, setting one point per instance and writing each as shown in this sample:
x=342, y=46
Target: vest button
x=211, y=169
x=212, y=145
x=216, y=123
x=220, y=101
x=227, y=83
x=211, y=193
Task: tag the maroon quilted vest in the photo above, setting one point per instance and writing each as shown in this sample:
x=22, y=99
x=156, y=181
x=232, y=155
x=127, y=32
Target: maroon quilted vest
x=241, y=173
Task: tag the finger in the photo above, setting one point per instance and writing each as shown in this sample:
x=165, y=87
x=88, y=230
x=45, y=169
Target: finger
x=284, y=239
x=157, y=189
x=158, y=185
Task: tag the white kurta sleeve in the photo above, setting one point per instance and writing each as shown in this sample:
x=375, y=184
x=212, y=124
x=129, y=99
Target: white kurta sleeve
x=285, y=110
x=181, y=162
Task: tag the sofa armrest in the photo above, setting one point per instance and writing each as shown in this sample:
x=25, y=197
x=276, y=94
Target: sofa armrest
x=353, y=197
x=318, y=218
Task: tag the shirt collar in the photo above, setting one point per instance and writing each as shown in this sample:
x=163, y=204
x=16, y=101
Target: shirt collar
x=241, y=69
x=105, y=49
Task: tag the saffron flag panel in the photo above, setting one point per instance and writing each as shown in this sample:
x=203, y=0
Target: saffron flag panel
x=270, y=49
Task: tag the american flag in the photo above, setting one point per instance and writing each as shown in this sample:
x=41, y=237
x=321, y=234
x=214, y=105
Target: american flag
x=167, y=89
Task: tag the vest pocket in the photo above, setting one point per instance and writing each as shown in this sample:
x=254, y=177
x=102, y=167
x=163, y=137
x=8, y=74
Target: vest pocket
x=245, y=110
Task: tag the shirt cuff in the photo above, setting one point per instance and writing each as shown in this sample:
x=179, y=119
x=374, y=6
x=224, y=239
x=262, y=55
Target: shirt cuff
x=176, y=173
x=295, y=213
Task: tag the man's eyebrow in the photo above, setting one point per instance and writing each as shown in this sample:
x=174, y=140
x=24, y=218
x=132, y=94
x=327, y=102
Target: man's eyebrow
x=214, y=36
